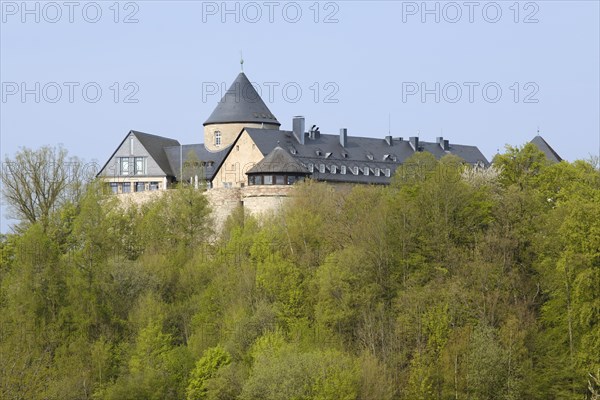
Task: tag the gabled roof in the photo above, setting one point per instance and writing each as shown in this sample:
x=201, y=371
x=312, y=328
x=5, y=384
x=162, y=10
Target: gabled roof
x=213, y=159
x=359, y=152
x=541, y=144
x=278, y=161
x=241, y=103
x=357, y=149
x=154, y=145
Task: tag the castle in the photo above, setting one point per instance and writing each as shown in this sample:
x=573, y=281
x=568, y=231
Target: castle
x=247, y=159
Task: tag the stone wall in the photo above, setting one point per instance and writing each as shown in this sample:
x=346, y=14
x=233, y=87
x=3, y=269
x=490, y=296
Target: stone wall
x=229, y=132
x=242, y=157
x=223, y=202
x=256, y=200
x=264, y=199
x=138, y=198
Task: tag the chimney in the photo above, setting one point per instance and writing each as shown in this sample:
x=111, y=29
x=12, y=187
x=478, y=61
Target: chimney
x=343, y=137
x=388, y=140
x=314, y=133
x=298, y=127
x=444, y=144
x=414, y=142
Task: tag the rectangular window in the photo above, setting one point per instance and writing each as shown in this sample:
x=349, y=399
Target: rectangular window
x=291, y=180
x=387, y=172
x=355, y=170
x=153, y=186
x=322, y=168
x=268, y=179
x=126, y=188
x=258, y=180
x=251, y=180
x=343, y=170
x=139, y=166
x=124, y=165
x=377, y=172
x=114, y=187
x=311, y=167
x=333, y=169
x=140, y=186
x=279, y=179
x=366, y=170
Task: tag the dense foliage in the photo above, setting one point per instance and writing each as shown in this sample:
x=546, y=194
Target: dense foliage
x=448, y=284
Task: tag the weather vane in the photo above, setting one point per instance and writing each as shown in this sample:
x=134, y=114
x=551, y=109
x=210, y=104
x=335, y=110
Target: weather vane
x=241, y=61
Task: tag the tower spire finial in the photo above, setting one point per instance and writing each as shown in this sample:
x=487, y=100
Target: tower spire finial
x=241, y=61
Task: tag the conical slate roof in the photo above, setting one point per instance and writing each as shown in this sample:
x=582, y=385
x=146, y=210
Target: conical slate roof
x=241, y=103
x=278, y=161
x=546, y=149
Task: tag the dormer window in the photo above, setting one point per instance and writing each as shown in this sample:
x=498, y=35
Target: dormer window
x=366, y=170
x=322, y=168
x=217, y=138
x=343, y=170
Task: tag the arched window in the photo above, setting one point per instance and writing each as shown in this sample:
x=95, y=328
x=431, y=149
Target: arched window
x=217, y=138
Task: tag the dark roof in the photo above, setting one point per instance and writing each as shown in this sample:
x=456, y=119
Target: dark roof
x=363, y=149
x=241, y=103
x=278, y=161
x=359, y=152
x=211, y=160
x=541, y=144
x=154, y=145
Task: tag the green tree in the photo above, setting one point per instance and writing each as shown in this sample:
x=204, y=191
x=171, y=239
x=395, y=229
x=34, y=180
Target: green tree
x=206, y=368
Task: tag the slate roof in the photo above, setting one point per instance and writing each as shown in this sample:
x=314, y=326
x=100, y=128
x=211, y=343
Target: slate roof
x=241, y=103
x=278, y=161
x=541, y=144
x=326, y=152
x=211, y=160
x=154, y=145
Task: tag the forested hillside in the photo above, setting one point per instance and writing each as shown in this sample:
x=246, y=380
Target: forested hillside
x=450, y=283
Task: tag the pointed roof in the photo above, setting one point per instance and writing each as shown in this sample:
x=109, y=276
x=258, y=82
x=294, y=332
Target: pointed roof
x=155, y=146
x=241, y=103
x=541, y=144
x=278, y=161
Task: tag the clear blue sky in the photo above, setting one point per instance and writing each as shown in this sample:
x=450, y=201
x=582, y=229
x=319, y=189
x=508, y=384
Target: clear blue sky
x=358, y=64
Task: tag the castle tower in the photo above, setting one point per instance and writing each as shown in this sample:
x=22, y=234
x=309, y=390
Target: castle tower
x=240, y=107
